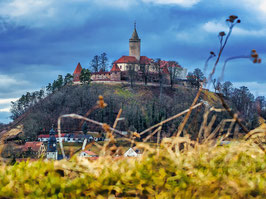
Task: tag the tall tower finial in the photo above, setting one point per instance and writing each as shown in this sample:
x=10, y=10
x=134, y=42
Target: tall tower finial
x=134, y=43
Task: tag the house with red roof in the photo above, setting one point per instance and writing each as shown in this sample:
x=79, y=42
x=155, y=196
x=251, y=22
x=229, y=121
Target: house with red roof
x=35, y=149
x=140, y=64
x=88, y=154
x=45, y=137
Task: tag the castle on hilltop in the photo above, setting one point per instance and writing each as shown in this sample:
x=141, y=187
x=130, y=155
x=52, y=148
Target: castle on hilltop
x=140, y=65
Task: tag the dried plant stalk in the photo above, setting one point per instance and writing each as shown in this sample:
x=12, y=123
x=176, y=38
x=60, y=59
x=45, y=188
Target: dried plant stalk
x=75, y=116
x=215, y=131
x=171, y=118
x=181, y=127
x=231, y=113
x=117, y=119
x=153, y=133
x=203, y=124
x=87, y=114
x=254, y=132
x=229, y=129
x=159, y=135
x=236, y=131
x=208, y=128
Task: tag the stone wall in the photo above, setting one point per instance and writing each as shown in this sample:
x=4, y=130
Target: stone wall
x=116, y=76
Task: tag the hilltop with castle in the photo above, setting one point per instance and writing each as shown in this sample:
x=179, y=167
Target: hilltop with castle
x=140, y=65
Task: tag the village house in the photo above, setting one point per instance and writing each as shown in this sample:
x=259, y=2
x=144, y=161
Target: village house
x=45, y=137
x=134, y=62
x=88, y=154
x=131, y=153
x=33, y=149
x=70, y=137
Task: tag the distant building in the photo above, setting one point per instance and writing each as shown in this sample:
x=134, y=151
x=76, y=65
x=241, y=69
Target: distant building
x=72, y=137
x=45, y=137
x=52, y=152
x=88, y=154
x=122, y=66
x=33, y=149
x=131, y=153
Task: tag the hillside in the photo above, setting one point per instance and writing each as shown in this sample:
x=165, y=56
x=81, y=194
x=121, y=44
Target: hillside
x=141, y=107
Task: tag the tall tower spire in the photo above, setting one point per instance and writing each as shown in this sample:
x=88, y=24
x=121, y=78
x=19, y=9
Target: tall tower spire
x=134, y=44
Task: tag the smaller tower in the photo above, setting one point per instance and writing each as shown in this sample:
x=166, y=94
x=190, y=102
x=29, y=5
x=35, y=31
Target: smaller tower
x=134, y=44
x=77, y=73
x=52, y=152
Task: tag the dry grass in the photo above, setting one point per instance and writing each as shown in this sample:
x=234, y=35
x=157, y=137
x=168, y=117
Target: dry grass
x=172, y=171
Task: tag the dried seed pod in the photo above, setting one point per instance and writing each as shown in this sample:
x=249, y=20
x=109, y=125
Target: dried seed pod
x=135, y=134
x=222, y=33
x=101, y=102
x=212, y=53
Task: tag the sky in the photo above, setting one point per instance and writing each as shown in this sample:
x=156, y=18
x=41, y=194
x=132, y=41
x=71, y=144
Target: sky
x=40, y=39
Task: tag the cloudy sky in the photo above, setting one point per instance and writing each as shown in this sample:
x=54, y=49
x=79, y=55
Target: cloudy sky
x=40, y=39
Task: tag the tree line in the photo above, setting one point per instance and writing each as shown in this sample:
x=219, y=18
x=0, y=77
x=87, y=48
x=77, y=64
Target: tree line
x=246, y=104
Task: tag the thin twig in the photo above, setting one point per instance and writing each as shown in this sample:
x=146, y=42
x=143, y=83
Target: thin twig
x=117, y=119
x=171, y=118
x=87, y=114
x=181, y=127
x=153, y=133
x=231, y=113
x=75, y=116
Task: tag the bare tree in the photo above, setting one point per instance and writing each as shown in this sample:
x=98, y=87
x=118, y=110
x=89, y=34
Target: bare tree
x=226, y=88
x=145, y=72
x=174, y=72
x=131, y=74
x=95, y=63
x=103, y=61
x=159, y=71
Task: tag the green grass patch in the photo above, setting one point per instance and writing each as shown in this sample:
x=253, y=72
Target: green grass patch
x=234, y=171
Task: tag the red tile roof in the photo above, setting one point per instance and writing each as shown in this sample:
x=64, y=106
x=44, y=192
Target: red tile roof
x=145, y=60
x=77, y=72
x=165, y=70
x=133, y=60
x=115, y=68
x=35, y=146
x=78, y=69
x=127, y=59
x=47, y=135
x=166, y=64
x=169, y=64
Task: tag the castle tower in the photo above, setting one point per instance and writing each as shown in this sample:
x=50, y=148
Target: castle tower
x=134, y=44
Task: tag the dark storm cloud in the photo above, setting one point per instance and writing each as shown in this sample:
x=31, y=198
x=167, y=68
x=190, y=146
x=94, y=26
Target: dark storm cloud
x=38, y=43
